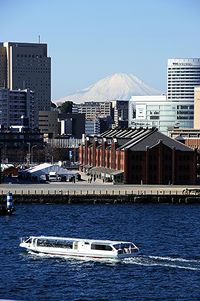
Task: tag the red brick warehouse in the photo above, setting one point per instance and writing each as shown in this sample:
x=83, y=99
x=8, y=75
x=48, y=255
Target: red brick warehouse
x=135, y=156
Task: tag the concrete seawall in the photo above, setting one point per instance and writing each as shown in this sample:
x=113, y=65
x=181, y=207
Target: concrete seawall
x=103, y=199
x=97, y=193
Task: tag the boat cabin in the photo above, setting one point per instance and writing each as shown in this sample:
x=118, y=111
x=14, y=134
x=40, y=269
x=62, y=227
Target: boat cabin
x=75, y=246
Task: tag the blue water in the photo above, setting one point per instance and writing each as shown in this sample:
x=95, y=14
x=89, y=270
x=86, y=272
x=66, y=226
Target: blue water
x=168, y=267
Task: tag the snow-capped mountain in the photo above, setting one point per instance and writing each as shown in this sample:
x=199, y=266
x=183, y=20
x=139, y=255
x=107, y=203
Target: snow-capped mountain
x=117, y=86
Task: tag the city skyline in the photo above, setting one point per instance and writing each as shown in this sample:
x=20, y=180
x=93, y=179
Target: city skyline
x=88, y=41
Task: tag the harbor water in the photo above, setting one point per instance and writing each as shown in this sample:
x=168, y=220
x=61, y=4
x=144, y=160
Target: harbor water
x=167, y=267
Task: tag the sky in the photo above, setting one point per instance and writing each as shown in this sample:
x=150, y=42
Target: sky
x=91, y=39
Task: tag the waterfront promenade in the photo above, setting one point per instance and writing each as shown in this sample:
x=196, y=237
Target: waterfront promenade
x=98, y=192
x=84, y=188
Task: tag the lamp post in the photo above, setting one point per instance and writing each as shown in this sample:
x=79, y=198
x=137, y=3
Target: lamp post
x=28, y=154
x=32, y=147
x=0, y=166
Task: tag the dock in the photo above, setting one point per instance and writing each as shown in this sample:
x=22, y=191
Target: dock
x=65, y=193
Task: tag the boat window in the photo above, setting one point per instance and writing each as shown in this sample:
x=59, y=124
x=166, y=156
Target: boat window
x=55, y=243
x=28, y=240
x=127, y=245
x=101, y=247
x=123, y=245
x=87, y=243
x=117, y=246
x=75, y=245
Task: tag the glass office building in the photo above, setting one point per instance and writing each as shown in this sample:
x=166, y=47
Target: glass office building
x=156, y=111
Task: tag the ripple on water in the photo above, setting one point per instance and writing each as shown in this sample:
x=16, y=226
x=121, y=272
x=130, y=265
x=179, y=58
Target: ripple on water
x=159, y=231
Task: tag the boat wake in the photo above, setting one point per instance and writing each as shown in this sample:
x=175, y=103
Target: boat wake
x=170, y=262
x=149, y=261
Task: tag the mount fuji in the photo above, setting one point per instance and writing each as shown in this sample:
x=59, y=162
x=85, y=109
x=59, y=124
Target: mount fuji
x=115, y=87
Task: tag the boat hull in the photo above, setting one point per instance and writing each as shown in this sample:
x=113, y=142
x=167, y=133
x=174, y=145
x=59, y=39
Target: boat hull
x=5, y=211
x=77, y=254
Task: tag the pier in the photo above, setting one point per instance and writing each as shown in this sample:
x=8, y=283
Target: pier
x=83, y=193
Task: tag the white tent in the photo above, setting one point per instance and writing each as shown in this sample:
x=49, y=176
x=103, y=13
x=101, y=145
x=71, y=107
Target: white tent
x=38, y=172
x=5, y=166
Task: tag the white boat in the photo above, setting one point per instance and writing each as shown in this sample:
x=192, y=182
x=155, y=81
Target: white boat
x=78, y=247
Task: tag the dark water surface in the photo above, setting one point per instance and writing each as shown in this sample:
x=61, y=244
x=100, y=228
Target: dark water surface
x=168, y=267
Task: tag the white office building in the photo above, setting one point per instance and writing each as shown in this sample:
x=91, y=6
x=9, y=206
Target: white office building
x=183, y=75
x=93, y=109
x=156, y=111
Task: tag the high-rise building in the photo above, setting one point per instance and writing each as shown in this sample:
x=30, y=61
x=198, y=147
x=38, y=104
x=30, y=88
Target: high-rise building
x=92, y=126
x=48, y=122
x=197, y=107
x=93, y=110
x=72, y=124
x=120, y=113
x=3, y=66
x=182, y=76
x=26, y=66
x=14, y=104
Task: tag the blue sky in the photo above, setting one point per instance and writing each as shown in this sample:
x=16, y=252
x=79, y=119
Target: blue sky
x=90, y=39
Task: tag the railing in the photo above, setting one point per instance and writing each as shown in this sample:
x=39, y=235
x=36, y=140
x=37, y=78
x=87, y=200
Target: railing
x=99, y=192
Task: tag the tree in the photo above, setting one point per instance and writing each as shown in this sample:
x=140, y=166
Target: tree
x=53, y=105
x=66, y=107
